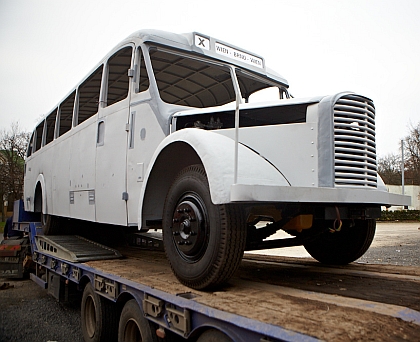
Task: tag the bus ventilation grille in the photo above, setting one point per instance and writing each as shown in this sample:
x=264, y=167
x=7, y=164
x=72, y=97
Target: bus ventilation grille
x=354, y=142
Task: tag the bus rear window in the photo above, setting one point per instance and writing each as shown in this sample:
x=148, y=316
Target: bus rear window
x=38, y=136
x=50, y=126
x=30, y=145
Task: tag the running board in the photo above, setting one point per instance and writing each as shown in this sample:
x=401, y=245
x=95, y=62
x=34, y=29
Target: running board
x=74, y=248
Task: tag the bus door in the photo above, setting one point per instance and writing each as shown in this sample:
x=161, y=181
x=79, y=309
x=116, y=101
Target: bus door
x=145, y=134
x=111, y=141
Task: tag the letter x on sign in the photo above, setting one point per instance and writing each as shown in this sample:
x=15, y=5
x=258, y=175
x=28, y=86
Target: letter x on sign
x=202, y=42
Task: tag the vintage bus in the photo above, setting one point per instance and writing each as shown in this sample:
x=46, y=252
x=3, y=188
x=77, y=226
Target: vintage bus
x=164, y=133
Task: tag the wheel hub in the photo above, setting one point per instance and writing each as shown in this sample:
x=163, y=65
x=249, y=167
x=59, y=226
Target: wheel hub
x=188, y=228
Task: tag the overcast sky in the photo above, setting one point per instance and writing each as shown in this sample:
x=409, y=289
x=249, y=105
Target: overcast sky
x=320, y=47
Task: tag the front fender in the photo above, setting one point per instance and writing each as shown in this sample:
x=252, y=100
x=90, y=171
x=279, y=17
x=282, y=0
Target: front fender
x=216, y=153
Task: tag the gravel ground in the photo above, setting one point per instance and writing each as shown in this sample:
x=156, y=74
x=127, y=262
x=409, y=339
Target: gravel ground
x=395, y=244
x=28, y=313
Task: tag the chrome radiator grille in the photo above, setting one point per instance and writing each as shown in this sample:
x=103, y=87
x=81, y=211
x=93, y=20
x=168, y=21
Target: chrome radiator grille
x=354, y=142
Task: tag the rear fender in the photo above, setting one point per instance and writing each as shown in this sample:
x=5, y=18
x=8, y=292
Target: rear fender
x=40, y=182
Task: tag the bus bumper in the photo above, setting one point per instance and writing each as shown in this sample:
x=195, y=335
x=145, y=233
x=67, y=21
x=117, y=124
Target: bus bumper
x=291, y=194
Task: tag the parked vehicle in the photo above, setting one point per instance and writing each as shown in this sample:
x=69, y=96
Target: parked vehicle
x=164, y=134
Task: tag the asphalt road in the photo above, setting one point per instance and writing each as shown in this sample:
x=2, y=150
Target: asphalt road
x=28, y=313
x=395, y=243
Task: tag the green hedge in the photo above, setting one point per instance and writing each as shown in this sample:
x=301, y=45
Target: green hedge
x=400, y=215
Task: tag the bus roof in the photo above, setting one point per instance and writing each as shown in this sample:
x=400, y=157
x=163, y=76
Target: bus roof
x=205, y=45
x=200, y=44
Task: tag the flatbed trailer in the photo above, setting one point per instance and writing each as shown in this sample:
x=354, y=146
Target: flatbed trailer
x=268, y=299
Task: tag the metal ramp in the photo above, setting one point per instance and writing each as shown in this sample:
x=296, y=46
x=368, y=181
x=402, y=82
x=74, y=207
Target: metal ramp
x=150, y=240
x=74, y=248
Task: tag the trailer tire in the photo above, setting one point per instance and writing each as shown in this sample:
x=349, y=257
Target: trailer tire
x=204, y=243
x=99, y=317
x=213, y=335
x=344, y=246
x=133, y=327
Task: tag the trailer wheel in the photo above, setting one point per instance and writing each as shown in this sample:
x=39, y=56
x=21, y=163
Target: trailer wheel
x=133, y=326
x=203, y=242
x=213, y=335
x=344, y=246
x=99, y=318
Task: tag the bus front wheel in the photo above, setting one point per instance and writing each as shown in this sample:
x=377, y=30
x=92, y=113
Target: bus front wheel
x=204, y=243
x=344, y=246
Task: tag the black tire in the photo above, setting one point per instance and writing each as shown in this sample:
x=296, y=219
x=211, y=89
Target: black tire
x=47, y=221
x=204, y=243
x=344, y=246
x=133, y=326
x=99, y=317
x=50, y=224
x=213, y=335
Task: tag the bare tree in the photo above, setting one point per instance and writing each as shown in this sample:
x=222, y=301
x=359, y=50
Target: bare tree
x=412, y=155
x=389, y=168
x=13, y=145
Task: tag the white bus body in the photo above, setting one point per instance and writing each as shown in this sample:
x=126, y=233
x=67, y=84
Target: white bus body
x=162, y=111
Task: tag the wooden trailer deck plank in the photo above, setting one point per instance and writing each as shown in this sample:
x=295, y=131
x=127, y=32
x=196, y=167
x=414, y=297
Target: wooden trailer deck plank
x=294, y=294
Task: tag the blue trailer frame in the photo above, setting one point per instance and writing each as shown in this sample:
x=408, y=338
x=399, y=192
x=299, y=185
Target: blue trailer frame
x=176, y=313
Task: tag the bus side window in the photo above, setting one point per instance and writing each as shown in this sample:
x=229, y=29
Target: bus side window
x=50, y=127
x=38, y=136
x=118, y=80
x=66, y=114
x=144, y=79
x=30, y=145
x=89, y=96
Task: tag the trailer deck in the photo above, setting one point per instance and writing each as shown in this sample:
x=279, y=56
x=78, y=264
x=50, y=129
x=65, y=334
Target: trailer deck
x=270, y=298
x=355, y=302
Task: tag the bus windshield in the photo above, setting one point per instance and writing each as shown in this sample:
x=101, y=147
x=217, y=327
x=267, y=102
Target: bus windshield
x=194, y=82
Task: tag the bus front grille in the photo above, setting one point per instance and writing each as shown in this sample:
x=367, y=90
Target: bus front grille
x=354, y=142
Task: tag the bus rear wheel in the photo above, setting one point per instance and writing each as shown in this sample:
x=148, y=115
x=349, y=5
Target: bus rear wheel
x=344, y=246
x=50, y=225
x=204, y=243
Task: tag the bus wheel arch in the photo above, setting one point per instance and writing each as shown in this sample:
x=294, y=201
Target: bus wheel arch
x=39, y=198
x=50, y=224
x=178, y=155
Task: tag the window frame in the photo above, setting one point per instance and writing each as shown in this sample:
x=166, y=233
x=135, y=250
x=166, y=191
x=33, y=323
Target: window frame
x=105, y=80
x=99, y=69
